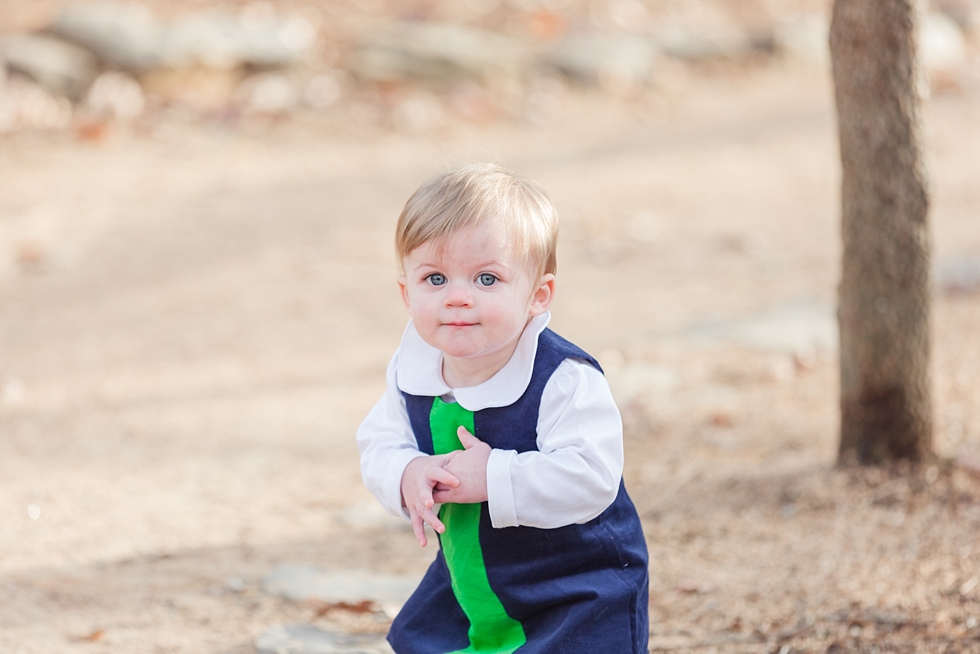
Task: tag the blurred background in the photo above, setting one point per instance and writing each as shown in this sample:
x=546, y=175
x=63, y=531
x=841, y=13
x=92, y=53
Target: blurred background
x=197, y=305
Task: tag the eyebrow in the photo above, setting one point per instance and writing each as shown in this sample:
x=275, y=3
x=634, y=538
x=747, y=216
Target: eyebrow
x=485, y=264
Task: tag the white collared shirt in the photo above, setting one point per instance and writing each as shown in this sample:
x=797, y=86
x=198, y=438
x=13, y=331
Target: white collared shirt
x=571, y=479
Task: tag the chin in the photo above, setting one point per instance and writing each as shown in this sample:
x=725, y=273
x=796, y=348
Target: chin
x=458, y=352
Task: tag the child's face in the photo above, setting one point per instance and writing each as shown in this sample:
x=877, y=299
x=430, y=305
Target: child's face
x=471, y=297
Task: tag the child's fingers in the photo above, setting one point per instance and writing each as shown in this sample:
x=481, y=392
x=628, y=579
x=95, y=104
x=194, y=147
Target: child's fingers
x=425, y=497
x=418, y=527
x=443, y=496
x=429, y=516
x=466, y=438
x=442, y=476
x=424, y=508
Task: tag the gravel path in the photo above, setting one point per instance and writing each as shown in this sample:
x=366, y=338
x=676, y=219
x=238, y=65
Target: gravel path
x=195, y=321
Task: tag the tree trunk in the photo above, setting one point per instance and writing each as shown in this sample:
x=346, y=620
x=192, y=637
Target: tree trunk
x=885, y=395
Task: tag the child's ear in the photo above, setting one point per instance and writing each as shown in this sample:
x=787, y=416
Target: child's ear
x=403, y=289
x=542, y=296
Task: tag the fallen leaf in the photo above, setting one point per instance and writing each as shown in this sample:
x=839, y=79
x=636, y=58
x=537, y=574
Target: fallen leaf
x=93, y=637
x=323, y=608
x=692, y=588
x=545, y=25
x=722, y=419
x=29, y=255
x=93, y=132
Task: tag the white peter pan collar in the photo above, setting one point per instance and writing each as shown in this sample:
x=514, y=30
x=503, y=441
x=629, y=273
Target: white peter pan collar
x=419, y=370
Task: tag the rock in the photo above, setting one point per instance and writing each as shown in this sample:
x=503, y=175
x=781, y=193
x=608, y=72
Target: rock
x=474, y=102
x=269, y=93
x=968, y=462
x=629, y=15
x=12, y=392
x=770, y=369
x=644, y=227
x=941, y=43
x=800, y=329
x=806, y=40
x=436, y=52
x=616, y=63
x=7, y=112
x=60, y=67
x=124, y=35
x=704, y=44
x=325, y=89
x=237, y=584
x=129, y=36
x=26, y=104
x=635, y=380
x=959, y=275
x=219, y=40
x=308, y=639
x=116, y=95
x=544, y=100
x=418, y=112
x=301, y=583
x=369, y=516
x=966, y=13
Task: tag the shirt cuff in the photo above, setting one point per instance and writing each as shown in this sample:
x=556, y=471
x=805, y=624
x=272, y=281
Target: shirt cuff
x=393, y=480
x=500, y=490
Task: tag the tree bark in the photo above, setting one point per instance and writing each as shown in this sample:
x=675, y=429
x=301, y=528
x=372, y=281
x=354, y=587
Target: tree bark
x=885, y=394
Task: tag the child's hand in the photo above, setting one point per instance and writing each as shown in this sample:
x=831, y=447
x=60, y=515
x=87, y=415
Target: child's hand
x=420, y=477
x=470, y=468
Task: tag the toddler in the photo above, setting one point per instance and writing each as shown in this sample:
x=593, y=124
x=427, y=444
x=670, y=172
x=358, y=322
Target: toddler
x=503, y=437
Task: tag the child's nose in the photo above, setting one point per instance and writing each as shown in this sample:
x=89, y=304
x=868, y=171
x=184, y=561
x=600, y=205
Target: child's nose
x=458, y=296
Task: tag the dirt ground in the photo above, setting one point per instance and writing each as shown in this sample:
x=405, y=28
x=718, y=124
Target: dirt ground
x=195, y=319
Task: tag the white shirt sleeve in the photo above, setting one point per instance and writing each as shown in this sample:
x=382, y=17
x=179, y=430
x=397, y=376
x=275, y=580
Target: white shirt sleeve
x=387, y=444
x=576, y=473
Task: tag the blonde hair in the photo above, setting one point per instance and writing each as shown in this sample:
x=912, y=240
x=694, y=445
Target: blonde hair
x=478, y=194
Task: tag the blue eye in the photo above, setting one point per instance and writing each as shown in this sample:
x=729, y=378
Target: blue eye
x=436, y=279
x=486, y=279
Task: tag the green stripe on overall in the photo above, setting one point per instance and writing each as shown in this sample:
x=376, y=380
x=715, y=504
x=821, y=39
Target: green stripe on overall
x=491, y=629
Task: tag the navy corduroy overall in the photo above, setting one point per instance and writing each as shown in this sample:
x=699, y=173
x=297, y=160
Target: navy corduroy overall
x=581, y=588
